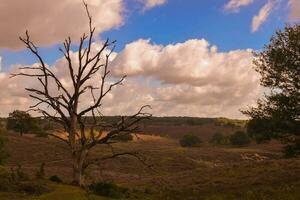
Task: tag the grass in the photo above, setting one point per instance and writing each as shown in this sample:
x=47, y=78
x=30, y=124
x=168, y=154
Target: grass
x=208, y=172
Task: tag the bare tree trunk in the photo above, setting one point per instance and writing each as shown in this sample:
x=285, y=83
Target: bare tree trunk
x=79, y=167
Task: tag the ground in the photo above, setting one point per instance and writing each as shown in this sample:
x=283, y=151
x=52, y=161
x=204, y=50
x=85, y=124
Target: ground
x=256, y=171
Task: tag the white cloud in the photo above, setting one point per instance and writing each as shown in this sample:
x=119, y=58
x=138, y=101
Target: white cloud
x=152, y=3
x=235, y=5
x=295, y=9
x=50, y=22
x=191, y=78
x=262, y=16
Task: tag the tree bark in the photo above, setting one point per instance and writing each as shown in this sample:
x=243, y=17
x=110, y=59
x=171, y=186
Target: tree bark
x=78, y=168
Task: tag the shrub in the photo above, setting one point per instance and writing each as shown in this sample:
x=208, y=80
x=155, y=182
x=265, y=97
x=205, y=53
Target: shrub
x=239, y=138
x=55, y=179
x=17, y=181
x=3, y=154
x=33, y=188
x=218, y=138
x=292, y=150
x=189, y=141
x=5, y=180
x=108, y=190
x=40, y=174
x=124, y=137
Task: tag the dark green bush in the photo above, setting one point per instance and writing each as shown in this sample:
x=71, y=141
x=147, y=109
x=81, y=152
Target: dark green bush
x=40, y=174
x=124, y=137
x=33, y=188
x=108, y=190
x=189, y=141
x=292, y=150
x=239, y=138
x=219, y=138
x=55, y=179
x=3, y=153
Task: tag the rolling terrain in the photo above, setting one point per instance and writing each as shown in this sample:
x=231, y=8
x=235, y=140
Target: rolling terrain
x=256, y=171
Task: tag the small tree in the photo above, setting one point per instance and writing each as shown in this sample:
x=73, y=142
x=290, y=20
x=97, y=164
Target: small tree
x=64, y=107
x=20, y=121
x=218, y=138
x=277, y=115
x=189, y=140
x=239, y=138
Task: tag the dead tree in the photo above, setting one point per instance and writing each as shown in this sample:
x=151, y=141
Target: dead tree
x=63, y=105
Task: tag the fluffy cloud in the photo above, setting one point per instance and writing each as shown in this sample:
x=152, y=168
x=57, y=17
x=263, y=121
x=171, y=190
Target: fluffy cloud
x=49, y=22
x=262, y=16
x=235, y=5
x=295, y=9
x=191, y=78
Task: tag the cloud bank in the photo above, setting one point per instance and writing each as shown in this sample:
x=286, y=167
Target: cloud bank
x=50, y=22
x=191, y=78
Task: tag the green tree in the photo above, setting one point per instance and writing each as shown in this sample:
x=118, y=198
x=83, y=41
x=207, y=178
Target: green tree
x=189, y=140
x=277, y=114
x=239, y=138
x=20, y=121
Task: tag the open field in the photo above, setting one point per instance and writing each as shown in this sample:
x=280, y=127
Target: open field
x=205, y=172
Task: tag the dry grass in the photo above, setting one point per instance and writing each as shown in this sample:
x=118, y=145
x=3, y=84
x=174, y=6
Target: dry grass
x=204, y=170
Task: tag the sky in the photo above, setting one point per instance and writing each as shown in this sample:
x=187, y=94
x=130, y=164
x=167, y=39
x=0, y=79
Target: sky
x=183, y=57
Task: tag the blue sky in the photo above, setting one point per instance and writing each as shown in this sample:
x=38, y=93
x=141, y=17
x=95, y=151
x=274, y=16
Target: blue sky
x=177, y=21
x=182, y=57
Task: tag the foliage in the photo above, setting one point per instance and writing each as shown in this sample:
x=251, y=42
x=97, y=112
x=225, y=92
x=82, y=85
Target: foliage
x=3, y=153
x=55, y=179
x=40, y=174
x=239, y=138
x=189, y=140
x=124, y=137
x=219, y=138
x=230, y=122
x=33, y=187
x=20, y=121
x=108, y=190
x=277, y=115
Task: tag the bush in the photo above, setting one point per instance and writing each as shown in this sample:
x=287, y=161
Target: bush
x=40, y=174
x=33, y=188
x=108, y=190
x=124, y=137
x=17, y=181
x=5, y=180
x=218, y=138
x=239, y=138
x=189, y=141
x=55, y=179
x=3, y=154
x=292, y=150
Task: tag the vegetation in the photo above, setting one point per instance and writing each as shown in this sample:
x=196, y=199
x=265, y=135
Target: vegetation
x=108, y=190
x=219, y=138
x=3, y=153
x=20, y=121
x=189, y=140
x=239, y=138
x=277, y=115
x=55, y=179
